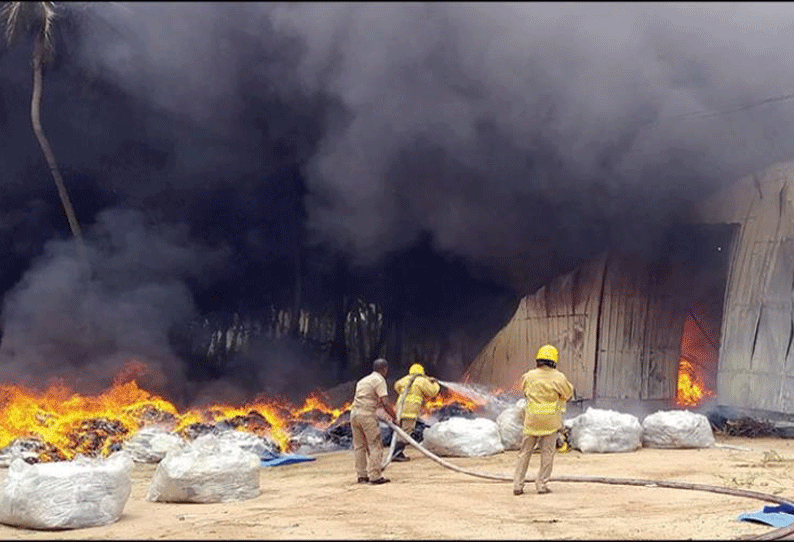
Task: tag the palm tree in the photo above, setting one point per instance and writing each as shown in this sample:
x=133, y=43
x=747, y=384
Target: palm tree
x=38, y=18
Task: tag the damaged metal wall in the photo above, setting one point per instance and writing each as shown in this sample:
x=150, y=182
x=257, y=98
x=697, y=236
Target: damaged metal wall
x=614, y=322
x=562, y=313
x=618, y=323
x=756, y=369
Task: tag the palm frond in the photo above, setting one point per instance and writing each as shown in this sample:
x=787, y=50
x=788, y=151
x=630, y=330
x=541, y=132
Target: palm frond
x=9, y=16
x=47, y=21
x=19, y=17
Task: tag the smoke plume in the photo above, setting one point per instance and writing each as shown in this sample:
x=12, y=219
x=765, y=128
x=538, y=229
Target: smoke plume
x=508, y=131
x=523, y=138
x=84, y=324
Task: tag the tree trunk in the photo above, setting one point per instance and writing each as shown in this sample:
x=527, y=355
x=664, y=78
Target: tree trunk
x=35, y=118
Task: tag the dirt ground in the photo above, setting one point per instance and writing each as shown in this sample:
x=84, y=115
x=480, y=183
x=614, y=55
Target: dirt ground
x=320, y=500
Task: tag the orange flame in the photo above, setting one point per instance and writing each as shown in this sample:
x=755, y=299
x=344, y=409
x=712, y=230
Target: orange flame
x=448, y=396
x=691, y=391
x=68, y=424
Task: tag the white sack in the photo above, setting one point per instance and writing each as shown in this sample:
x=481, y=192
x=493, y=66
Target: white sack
x=605, y=431
x=208, y=470
x=463, y=437
x=676, y=429
x=511, y=425
x=261, y=446
x=66, y=494
x=150, y=444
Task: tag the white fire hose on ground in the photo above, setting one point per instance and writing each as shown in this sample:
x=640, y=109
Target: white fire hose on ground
x=775, y=534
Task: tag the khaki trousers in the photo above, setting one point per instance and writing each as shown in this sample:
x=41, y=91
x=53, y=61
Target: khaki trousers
x=407, y=425
x=367, y=445
x=548, y=445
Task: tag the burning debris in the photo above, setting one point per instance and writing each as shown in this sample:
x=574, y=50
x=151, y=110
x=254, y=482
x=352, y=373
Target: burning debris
x=31, y=450
x=99, y=436
x=452, y=410
x=747, y=427
x=56, y=425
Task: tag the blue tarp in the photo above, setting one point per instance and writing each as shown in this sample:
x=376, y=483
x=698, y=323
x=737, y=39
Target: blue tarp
x=287, y=459
x=776, y=516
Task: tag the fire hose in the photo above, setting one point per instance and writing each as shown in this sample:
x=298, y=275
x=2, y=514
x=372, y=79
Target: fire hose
x=398, y=415
x=775, y=534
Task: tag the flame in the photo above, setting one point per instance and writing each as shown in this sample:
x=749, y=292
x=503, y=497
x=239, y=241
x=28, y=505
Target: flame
x=67, y=424
x=447, y=397
x=691, y=390
x=58, y=417
x=697, y=365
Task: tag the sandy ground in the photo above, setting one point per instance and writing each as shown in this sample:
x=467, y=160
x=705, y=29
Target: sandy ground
x=319, y=500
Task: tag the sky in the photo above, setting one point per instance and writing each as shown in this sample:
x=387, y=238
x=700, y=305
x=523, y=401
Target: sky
x=520, y=138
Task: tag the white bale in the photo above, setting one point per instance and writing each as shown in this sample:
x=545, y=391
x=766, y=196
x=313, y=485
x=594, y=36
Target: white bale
x=511, y=425
x=66, y=494
x=463, y=437
x=150, y=444
x=208, y=470
x=676, y=429
x=261, y=446
x=604, y=431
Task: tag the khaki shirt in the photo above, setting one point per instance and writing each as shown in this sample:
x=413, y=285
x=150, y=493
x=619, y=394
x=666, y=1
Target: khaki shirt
x=369, y=390
x=422, y=388
x=547, y=391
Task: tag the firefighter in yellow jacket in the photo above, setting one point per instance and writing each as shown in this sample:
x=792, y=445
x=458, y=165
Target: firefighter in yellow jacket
x=422, y=388
x=546, y=390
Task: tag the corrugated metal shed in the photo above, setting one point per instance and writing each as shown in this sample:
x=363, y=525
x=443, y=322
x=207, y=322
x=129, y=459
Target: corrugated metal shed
x=613, y=323
x=756, y=369
x=618, y=322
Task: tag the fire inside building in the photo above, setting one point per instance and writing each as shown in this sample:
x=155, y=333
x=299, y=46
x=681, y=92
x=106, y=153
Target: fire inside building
x=707, y=322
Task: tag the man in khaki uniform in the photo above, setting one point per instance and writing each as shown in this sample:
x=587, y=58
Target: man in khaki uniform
x=422, y=388
x=546, y=390
x=371, y=393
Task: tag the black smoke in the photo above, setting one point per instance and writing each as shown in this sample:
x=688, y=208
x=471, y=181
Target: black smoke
x=512, y=140
x=81, y=321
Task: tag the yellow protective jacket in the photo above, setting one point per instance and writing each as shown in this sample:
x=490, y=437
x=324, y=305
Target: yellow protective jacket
x=547, y=390
x=422, y=388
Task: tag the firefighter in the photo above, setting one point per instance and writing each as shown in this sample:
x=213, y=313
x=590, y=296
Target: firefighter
x=546, y=390
x=371, y=393
x=422, y=387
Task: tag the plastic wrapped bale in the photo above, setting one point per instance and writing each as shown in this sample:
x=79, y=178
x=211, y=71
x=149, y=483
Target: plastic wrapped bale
x=310, y=440
x=511, y=425
x=676, y=429
x=263, y=447
x=150, y=444
x=210, y=469
x=66, y=494
x=495, y=405
x=463, y=437
x=605, y=431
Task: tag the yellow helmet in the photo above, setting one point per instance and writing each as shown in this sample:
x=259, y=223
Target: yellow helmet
x=416, y=369
x=547, y=352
